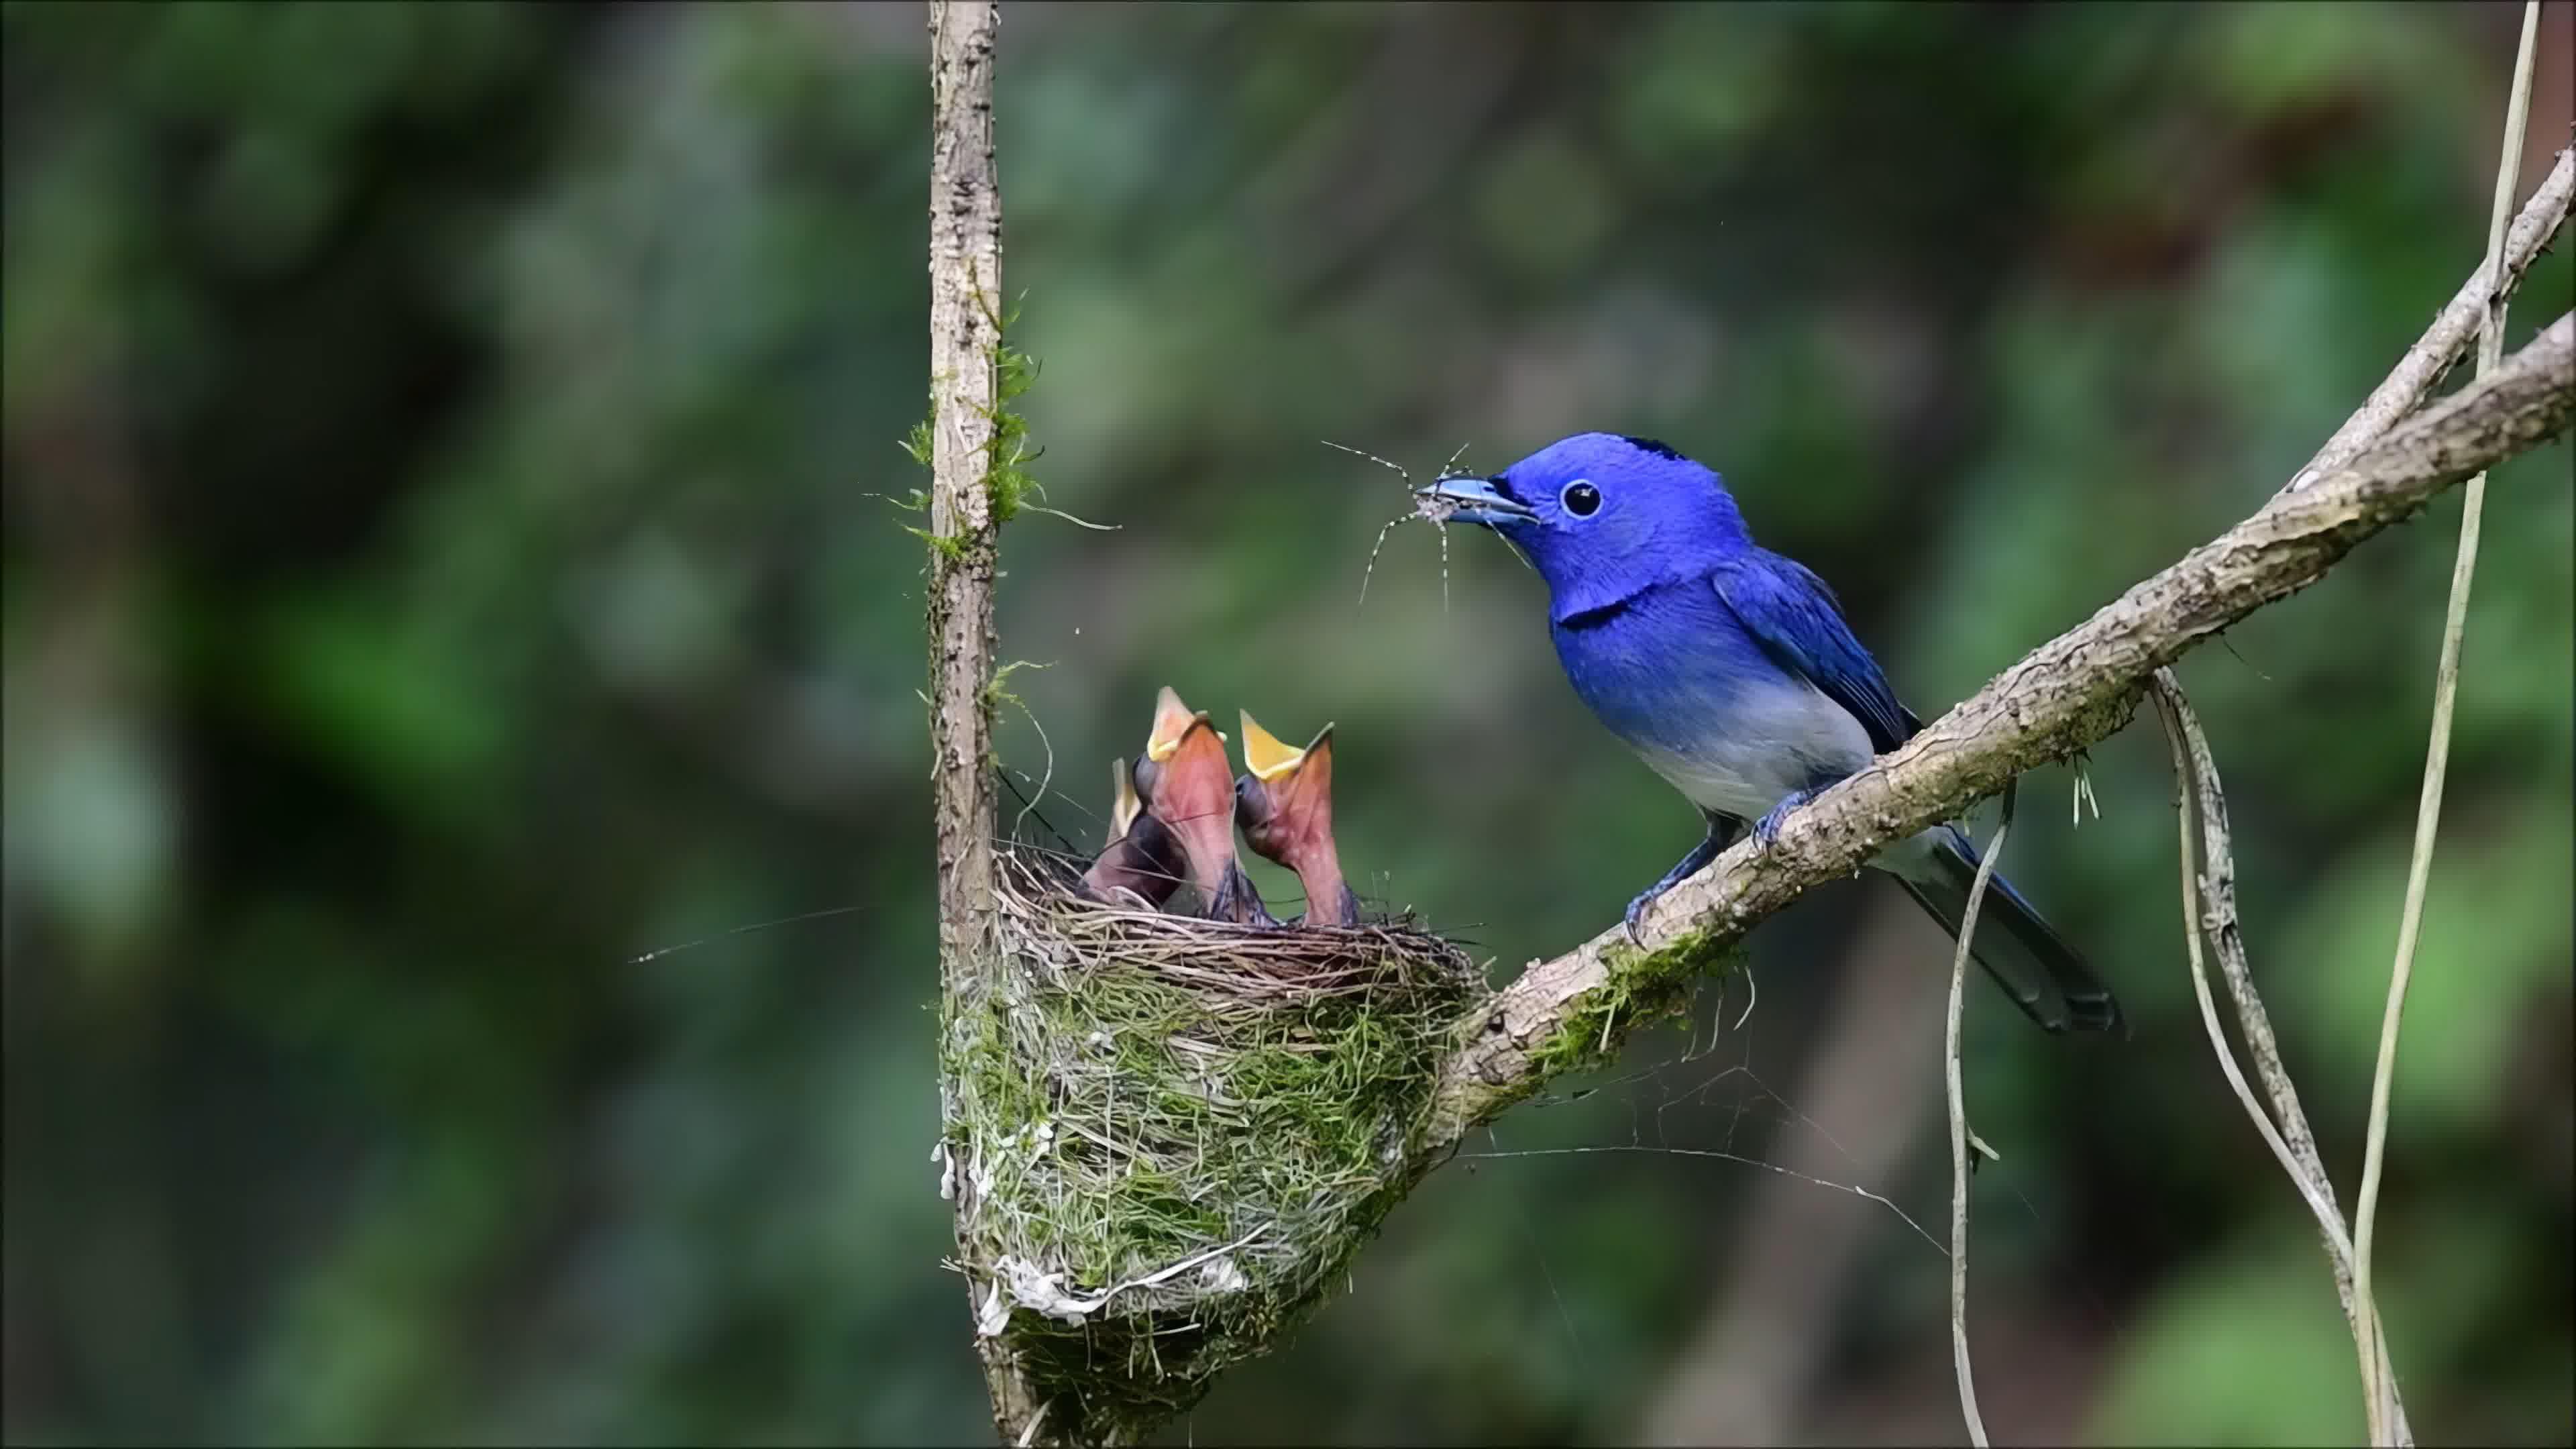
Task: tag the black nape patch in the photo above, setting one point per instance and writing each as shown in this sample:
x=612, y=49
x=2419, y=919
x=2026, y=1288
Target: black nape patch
x=1594, y=618
x=1650, y=445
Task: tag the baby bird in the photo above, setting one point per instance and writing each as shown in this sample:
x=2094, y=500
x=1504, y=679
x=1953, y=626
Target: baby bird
x=1142, y=858
x=1285, y=806
x=1187, y=787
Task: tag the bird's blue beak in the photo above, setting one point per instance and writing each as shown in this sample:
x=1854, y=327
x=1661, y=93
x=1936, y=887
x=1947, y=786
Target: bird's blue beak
x=1479, y=500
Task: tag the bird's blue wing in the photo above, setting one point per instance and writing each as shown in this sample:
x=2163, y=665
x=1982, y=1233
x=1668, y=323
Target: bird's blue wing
x=1799, y=623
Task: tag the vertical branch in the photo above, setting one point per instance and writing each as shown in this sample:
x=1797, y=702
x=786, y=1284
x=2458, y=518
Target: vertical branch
x=965, y=284
x=965, y=352
x=1960, y=1137
x=2378, y=1387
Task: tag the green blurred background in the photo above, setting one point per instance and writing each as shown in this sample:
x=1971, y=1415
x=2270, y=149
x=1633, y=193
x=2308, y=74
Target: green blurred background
x=449, y=556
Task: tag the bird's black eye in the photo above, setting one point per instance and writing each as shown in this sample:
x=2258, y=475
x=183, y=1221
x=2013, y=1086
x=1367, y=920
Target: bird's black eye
x=1581, y=499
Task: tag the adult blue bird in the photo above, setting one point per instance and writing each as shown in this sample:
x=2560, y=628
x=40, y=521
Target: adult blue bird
x=1730, y=670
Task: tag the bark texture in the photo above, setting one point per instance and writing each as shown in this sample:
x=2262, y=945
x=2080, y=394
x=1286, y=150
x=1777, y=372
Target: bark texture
x=965, y=351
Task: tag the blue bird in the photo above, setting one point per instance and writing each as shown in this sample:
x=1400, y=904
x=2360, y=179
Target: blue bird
x=1730, y=671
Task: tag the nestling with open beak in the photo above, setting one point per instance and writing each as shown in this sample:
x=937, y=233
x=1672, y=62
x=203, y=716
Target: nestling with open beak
x=1189, y=789
x=1285, y=806
x=1141, y=859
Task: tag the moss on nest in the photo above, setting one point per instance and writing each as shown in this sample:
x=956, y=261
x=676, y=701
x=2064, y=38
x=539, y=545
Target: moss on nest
x=1175, y=1131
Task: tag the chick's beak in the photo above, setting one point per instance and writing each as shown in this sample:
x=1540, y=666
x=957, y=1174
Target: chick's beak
x=1189, y=789
x=1265, y=756
x=1172, y=721
x=1142, y=858
x=1124, y=803
x=1286, y=807
x=1480, y=500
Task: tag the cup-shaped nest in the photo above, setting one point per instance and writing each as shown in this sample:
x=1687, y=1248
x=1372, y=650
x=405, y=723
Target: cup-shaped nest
x=1172, y=1133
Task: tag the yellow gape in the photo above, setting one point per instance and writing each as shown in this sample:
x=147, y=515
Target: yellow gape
x=1266, y=757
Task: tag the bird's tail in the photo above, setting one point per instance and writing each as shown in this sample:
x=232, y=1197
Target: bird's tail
x=2032, y=963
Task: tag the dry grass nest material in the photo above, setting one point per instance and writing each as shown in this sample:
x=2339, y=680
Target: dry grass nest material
x=1176, y=1130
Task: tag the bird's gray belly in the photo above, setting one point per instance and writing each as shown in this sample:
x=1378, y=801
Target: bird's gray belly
x=1762, y=743
x=1706, y=707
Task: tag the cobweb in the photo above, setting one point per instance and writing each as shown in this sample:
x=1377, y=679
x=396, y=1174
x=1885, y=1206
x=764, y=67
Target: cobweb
x=1713, y=1080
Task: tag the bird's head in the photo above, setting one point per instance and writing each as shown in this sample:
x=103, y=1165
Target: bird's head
x=1602, y=516
x=1183, y=779
x=1285, y=800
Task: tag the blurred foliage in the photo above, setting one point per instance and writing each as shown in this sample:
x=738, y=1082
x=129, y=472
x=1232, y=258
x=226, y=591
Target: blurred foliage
x=452, y=552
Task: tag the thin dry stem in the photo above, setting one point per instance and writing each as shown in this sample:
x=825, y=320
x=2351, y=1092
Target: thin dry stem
x=2209, y=909
x=1960, y=1136
x=2378, y=1387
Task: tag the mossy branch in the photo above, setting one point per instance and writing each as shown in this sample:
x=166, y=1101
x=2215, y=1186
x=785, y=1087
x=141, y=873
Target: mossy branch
x=966, y=404
x=2066, y=694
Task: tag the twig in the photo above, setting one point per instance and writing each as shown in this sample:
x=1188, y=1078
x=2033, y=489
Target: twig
x=2209, y=908
x=1791, y=1173
x=2456, y=326
x=1959, y=1135
x=2378, y=1387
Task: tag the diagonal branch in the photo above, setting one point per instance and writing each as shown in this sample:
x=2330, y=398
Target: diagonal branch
x=2454, y=327
x=2068, y=693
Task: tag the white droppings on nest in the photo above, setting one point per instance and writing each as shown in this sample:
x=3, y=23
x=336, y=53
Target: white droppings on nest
x=1042, y=1290
x=1220, y=1275
x=994, y=1314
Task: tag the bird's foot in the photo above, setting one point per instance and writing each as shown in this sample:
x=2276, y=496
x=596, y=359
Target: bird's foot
x=1766, y=831
x=1237, y=901
x=1637, y=911
x=1721, y=832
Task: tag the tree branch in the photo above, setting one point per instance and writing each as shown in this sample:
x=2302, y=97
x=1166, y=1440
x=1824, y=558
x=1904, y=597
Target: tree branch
x=2066, y=694
x=2454, y=327
x=965, y=351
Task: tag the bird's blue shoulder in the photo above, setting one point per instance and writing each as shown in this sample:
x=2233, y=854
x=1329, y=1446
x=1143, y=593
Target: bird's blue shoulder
x=1797, y=620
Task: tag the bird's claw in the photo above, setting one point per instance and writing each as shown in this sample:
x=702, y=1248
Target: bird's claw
x=1766, y=831
x=1721, y=829
x=1636, y=913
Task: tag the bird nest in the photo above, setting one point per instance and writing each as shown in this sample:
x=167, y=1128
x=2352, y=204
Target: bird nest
x=1175, y=1131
